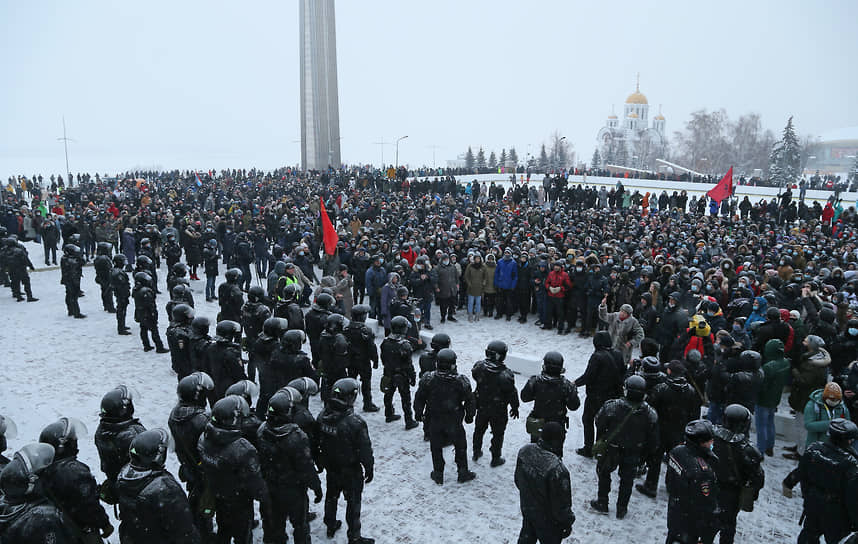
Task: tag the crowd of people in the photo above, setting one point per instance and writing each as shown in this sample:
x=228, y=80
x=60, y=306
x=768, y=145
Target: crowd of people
x=699, y=324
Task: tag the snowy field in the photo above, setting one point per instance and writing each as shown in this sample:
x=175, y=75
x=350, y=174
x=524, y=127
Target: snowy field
x=53, y=365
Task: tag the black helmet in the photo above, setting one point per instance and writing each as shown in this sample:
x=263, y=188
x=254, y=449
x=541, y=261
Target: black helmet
x=447, y=360
x=233, y=275
x=737, y=418
x=245, y=389
x=344, y=393
x=71, y=250
x=290, y=292
x=273, y=327
x=402, y=292
x=228, y=331
x=635, y=388
x=651, y=364
x=773, y=314
x=143, y=261
x=399, y=325
x=119, y=260
x=228, y=412
x=18, y=480
x=256, y=294
x=841, y=431
x=103, y=248
x=200, y=325
x=335, y=323
x=149, y=449
x=143, y=279
x=440, y=341
x=180, y=291
x=192, y=388
x=145, y=242
x=359, y=312
x=75, y=239
x=699, y=431
x=281, y=404
x=117, y=404
x=293, y=339
x=306, y=386
x=280, y=268
x=63, y=435
x=552, y=363
x=325, y=301
x=182, y=313
x=496, y=351
x=179, y=269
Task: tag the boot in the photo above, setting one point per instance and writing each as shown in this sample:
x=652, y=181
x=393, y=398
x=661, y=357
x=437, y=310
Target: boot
x=497, y=461
x=452, y=319
x=622, y=510
x=477, y=454
x=123, y=332
x=370, y=407
x=411, y=425
x=770, y=452
x=437, y=477
x=470, y=318
x=332, y=530
x=466, y=476
x=476, y=317
x=31, y=298
x=584, y=452
x=361, y=540
x=599, y=506
x=162, y=349
x=646, y=490
x=148, y=348
x=392, y=417
x=80, y=316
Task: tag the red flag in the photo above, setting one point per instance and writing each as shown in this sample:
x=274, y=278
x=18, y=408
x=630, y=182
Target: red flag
x=329, y=235
x=724, y=188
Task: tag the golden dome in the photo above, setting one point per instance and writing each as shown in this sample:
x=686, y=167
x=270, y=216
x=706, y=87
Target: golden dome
x=636, y=97
x=659, y=117
x=633, y=115
x=612, y=116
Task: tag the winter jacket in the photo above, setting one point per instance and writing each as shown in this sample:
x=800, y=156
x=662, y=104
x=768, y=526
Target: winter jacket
x=672, y=323
x=817, y=415
x=490, y=278
x=557, y=284
x=448, y=281
x=71, y=486
x=544, y=488
x=638, y=436
x=757, y=315
x=506, y=274
x=605, y=372
x=154, y=508
x=553, y=396
x=810, y=374
x=36, y=521
x=829, y=485
x=285, y=458
x=676, y=402
x=776, y=371
x=476, y=276
x=375, y=278
x=230, y=464
x=524, y=280
x=743, y=385
x=622, y=331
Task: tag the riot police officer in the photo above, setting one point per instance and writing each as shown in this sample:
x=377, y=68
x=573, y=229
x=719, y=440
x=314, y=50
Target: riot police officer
x=301, y=415
x=71, y=266
x=121, y=286
x=247, y=390
x=224, y=357
x=18, y=262
x=495, y=391
x=363, y=355
x=692, y=487
x=552, y=396
x=230, y=297
x=152, y=505
x=628, y=427
x=103, y=267
x=333, y=354
x=314, y=323
x=253, y=316
x=179, y=340
x=428, y=360
x=267, y=342
x=399, y=373
x=200, y=343
x=179, y=294
x=146, y=313
x=116, y=429
x=345, y=453
x=446, y=397
x=288, y=308
x=288, y=469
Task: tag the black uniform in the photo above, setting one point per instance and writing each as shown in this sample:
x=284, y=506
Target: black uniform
x=253, y=315
x=232, y=472
x=829, y=485
x=34, y=521
x=72, y=488
x=291, y=312
x=146, y=314
x=631, y=431
x=693, y=489
x=399, y=375
x=18, y=262
x=288, y=469
x=224, y=365
x=446, y=398
x=187, y=422
x=495, y=390
x=103, y=265
x=545, y=494
x=199, y=352
x=363, y=357
x=153, y=508
x=738, y=467
x=552, y=396
x=71, y=268
x=284, y=366
x=172, y=253
x=345, y=452
x=121, y=286
x=112, y=440
x=269, y=381
x=179, y=340
x=314, y=322
x=333, y=359
x=603, y=379
x=231, y=299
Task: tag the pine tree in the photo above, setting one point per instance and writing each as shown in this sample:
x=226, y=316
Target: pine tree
x=785, y=158
x=596, y=161
x=513, y=157
x=481, y=158
x=503, y=158
x=543, y=158
x=469, y=159
x=493, y=160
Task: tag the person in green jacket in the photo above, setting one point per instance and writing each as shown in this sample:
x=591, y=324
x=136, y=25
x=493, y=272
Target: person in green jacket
x=824, y=405
x=775, y=374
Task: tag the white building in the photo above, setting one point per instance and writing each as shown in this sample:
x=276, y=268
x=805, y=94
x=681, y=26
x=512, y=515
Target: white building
x=633, y=142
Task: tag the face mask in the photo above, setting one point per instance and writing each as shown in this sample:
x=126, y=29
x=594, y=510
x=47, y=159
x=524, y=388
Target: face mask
x=381, y=261
x=832, y=403
x=445, y=262
x=712, y=446
x=671, y=305
x=694, y=288
x=737, y=328
x=579, y=269
x=756, y=308
x=853, y=331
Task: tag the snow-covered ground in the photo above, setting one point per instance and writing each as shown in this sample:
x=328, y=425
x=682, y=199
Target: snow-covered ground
x=53, y=366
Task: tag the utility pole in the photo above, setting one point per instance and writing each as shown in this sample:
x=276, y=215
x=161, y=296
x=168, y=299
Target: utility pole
x=65, y=139
x=382, y=143
x=433, y=147
x=397, y=150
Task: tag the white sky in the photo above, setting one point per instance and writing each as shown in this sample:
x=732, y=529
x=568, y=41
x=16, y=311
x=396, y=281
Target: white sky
x=211, y=84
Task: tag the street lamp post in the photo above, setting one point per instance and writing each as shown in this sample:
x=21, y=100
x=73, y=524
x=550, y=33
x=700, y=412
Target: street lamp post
x=397, y=150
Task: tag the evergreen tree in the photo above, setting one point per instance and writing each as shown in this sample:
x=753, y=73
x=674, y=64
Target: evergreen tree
x=469, y=159
x=621, y=157
x=543, y=158
x=481, y=158
x=493, y=160
x=596, y=161
x=503, y=158
x=513, y=157
x=785, y=158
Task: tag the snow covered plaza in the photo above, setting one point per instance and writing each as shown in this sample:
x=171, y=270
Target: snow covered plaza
x=55, y=366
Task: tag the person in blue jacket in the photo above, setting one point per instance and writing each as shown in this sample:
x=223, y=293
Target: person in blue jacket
x=506, y=278
x=758, y=313
x=374, y=279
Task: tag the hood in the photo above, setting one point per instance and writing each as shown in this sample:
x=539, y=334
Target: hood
x=774, y=349
x=821, y=359
x=184, y=412
x=136, y=479
x=279, y=431
x=602, y=340
x=220, y=436
x=728, y=436
x=115, y=427
x=763, y=305
x=816, y=397
x=494, y=367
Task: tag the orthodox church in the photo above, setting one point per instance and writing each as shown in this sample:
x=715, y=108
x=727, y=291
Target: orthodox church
x=633, y=142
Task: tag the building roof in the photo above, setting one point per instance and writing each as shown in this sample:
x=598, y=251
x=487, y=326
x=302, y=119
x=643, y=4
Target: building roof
x=636, y=97
x=612, y=116
x=659, y=117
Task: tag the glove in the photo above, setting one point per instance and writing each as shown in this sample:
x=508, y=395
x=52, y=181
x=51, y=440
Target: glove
x=106, y=531
x=418, y=417
x=368, y=476
x=318, y=498
x=513, y=413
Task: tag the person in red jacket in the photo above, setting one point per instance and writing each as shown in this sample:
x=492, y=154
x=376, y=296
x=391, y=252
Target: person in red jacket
x=827, y=213
x=556, y=285
x=408, y=254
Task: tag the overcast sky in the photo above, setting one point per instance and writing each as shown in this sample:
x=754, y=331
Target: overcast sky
x=202, y=83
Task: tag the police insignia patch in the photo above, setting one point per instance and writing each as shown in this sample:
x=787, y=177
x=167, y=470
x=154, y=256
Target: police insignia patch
x=704, y=488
